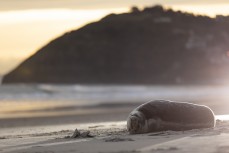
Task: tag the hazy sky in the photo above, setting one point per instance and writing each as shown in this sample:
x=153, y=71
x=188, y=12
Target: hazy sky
x=27, y=25
x=96, y=4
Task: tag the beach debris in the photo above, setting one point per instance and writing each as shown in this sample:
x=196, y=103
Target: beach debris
x=85, y=134
x=163, y=115
x=78, y=134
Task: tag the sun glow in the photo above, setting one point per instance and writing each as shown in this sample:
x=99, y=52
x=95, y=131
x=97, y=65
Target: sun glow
x=9, y=17
x=222, y=117
x=207, y=9
x=24, y=32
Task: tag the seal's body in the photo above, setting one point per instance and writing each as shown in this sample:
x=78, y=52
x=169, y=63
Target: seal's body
x=161, y=115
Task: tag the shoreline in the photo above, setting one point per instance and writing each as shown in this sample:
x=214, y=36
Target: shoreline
x=70, y=114
x=109, y=137
x=81, y=115
x=42, y=122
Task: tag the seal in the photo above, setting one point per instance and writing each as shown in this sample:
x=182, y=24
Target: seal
x=162, y=115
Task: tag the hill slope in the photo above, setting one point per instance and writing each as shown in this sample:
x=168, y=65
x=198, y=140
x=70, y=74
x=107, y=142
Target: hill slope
x=152, y=46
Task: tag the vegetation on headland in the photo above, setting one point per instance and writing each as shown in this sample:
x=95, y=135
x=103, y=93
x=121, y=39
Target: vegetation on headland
x=149, y=46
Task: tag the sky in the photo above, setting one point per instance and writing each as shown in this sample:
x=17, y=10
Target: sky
x=27, y=25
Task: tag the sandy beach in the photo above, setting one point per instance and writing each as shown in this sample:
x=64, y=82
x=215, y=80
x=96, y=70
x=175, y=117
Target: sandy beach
x=107, y=134
x=47, y=126
x=96, y=76
x=111, y=137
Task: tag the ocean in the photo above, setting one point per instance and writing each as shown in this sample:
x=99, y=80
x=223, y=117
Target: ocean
x=43, y=99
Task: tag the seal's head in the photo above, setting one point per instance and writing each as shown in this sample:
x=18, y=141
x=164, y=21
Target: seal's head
x=136, y=123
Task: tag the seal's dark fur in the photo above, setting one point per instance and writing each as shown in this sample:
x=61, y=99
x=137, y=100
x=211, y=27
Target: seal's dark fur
x=169, y=115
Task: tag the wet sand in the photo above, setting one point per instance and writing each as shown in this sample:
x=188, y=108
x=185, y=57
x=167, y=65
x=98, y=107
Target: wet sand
x=73, y=114
x=107, y=126
x=48, y=130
